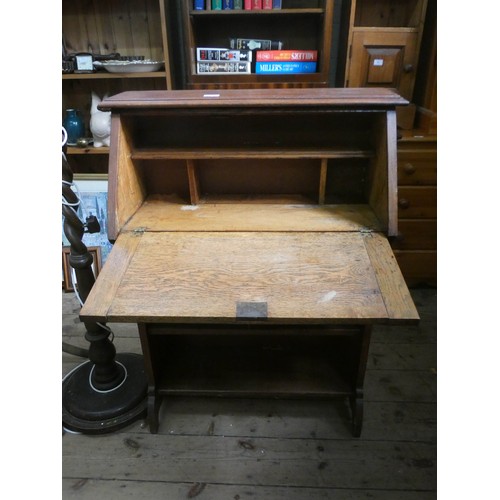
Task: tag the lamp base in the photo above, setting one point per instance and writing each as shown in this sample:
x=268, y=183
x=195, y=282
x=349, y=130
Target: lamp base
x=89, y=411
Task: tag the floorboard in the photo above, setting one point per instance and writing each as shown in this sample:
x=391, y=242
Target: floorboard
x=272, y=449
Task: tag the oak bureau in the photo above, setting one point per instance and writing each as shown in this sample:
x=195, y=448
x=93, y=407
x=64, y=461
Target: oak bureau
x=250, y=232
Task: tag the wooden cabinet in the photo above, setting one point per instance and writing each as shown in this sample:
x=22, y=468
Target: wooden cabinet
x=383, y=44
x=415, y=246
x=253, y=256
x=131, y=28
x=300, y=25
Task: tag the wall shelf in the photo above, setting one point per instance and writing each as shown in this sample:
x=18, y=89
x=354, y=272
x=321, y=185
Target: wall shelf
x=97, y=76
x=87, y=151
x=271, y=12
x=129, y=28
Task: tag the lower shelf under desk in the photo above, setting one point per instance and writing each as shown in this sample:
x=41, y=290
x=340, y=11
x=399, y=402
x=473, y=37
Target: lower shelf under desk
x=287, y=362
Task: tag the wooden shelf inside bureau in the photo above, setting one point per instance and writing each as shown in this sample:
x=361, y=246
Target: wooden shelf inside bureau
x=311, y=361
x=250, y=213
x=246, y=372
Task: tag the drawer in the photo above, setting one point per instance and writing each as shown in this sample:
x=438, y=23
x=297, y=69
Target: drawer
x=417, y=167
x=416, y=235
x=415, y=202
x=418, y=267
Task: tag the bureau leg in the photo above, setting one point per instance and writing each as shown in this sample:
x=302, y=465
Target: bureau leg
x=153, y=399
x=356, y=398
x=357, y=413
x=154, y=403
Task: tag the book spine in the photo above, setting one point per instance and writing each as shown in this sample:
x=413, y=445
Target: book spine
x=274, y=68
x=238, y=4
x=216, y=54
x=287, y=55
x=221, y=68
x=199, y=5
x=208, y=4
x=253, y=44
x=227, y=4
x=216, y=4
x=248, y=4
x=276, y=4
x=257, y=4
x=267, y=4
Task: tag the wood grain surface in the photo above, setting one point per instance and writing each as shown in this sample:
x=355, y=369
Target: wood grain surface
x=169, y=213
x=201, y=277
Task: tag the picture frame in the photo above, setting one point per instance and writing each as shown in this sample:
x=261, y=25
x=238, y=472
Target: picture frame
x=68, y=284
x=93, y=194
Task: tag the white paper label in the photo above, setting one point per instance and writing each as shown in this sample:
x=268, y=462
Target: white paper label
x=378, y=62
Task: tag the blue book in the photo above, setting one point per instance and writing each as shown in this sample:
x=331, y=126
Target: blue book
x=284, y=67
x=227, y=4
x=216, y=4
x=276, y=4
x=199, y=4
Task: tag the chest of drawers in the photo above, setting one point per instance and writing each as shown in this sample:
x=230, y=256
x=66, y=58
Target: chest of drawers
x=415, y=246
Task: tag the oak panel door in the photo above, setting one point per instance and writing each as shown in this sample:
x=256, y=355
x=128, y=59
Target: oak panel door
x=383, y=59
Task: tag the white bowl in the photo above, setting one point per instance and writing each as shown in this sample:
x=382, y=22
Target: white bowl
x=129, y=66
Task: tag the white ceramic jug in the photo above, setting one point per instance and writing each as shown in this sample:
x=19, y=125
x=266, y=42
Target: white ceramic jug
x=100, y=123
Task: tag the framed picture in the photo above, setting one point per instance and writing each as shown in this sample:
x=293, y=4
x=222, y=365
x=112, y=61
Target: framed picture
x=93, y=195
x=68, y=284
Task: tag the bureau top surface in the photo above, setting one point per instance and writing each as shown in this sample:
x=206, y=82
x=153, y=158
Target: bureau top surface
x=353, y=98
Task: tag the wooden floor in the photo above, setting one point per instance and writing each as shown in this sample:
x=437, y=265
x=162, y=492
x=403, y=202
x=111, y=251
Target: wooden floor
x=215, y=449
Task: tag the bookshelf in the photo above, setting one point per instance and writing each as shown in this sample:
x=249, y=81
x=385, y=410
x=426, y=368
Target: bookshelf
x=300, y=25
x=102, y=27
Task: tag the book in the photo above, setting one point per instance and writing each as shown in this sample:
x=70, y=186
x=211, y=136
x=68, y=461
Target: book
x=227, y=4
x=222, y=54
x=216, y=4
x=253, y=44
x=267, y=4
x=223, y=68
x=199, y=4
x=284, y=67
x=287, y=55
x=256, y=4
x=238, y=4
x=276, y=4
x=248, y=4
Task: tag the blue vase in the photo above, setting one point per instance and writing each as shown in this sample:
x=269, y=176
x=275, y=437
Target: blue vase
x=73, y=123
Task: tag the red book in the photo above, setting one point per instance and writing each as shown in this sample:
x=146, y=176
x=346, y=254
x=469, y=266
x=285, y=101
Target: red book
x=267, y=4
x=287, y=55
x=248, y=4
x=256, y=4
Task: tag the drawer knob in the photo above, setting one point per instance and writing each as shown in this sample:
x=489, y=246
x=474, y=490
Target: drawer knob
x=403, y=203
x=408, y=68
x=409, y=168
